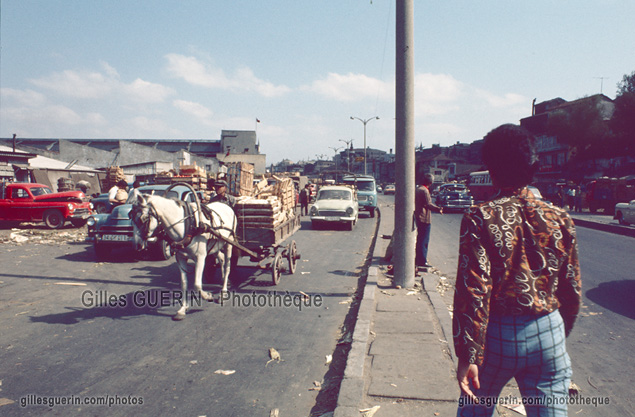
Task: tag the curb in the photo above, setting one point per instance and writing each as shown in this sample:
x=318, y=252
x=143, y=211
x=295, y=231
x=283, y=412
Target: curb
x=610, y=228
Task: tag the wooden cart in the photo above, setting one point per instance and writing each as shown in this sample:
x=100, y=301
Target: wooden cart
x=266, y=247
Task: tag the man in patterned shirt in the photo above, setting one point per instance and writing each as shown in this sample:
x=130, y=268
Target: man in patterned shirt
x=517, y=288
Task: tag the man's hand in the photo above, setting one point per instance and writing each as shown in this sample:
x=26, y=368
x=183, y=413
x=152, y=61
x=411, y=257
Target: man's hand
x=465, y=373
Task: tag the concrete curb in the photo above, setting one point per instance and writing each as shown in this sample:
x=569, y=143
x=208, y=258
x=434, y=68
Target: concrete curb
x=610, y=228
x=351, y=393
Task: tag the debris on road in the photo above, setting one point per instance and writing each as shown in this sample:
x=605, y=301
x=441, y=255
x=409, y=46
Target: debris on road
x=369, y=412
x=274, y=413
x=317, y=386
x=328, y=358
x=274, y=355
x=224, y=372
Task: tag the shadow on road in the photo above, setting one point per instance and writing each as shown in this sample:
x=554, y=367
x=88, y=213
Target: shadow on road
x=616, y=296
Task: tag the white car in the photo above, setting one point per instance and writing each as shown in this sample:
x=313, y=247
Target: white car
x=625, y=212
x=335, y=204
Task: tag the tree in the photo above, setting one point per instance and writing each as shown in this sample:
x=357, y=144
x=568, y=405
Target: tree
x=623, y=121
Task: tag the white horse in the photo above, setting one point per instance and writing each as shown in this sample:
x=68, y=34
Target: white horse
x=180, y=223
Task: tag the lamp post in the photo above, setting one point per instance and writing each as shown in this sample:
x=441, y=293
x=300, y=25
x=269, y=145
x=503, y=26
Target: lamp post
x=349, y=145
x=364, y=122
x=335, y=157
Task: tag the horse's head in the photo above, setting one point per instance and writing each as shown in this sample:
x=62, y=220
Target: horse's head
x=144, y=221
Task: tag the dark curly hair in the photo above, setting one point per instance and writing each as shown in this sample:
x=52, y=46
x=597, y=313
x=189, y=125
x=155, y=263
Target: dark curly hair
x=509, y=152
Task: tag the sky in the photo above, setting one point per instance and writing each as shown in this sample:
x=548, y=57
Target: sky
x=188, y=69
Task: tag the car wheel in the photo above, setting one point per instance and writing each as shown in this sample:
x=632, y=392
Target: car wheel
x=101, y=251
x=100, y=208
x=53, y=219
x=372, y=212
x=349, y=225
x=162, y=251
x=79, y=222
x=620, y=218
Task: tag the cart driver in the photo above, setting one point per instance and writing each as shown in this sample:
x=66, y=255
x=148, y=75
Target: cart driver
x=222, y=195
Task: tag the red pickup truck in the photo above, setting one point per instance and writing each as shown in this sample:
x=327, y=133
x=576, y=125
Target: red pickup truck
x=28, y=202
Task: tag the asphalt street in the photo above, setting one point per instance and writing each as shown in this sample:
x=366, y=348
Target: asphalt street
x=85, y=331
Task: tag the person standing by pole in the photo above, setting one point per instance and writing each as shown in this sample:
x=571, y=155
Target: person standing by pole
x=518, y=287
x=423, y=216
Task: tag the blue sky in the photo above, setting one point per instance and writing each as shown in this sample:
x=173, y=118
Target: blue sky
x=189, y=69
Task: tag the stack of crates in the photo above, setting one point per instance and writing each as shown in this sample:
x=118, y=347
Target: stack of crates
x=240, y=179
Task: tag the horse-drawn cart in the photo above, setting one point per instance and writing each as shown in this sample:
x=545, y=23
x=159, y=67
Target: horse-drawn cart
x=266, y=246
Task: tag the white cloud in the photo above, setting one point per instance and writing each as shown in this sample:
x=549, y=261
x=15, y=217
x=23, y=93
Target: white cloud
x=195, y=72
x=197, y=110
x=97, y=85
x=82, y=84
x=506, y=100
x=351, y=87
x=147, y=92
x=23, y=97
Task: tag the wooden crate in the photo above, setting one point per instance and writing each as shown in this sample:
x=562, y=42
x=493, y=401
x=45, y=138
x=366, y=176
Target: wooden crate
x=240, y=178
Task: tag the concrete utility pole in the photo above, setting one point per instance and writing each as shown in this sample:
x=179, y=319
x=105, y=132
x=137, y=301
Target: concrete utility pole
x=404, y=233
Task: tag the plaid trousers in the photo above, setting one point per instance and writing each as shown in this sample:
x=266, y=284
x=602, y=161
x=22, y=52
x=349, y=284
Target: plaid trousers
x=532, y=350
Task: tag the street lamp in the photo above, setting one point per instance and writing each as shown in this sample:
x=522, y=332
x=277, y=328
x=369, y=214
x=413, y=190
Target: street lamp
x=364, y=122
x=349, y=146
x=336, y=158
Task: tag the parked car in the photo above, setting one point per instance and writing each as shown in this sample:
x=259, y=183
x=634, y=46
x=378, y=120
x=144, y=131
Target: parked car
x=113, y=230
x=31, y=202
x=366, y=191
x=101, y=203
x=389, y=189
x=454, y=197
x=625, y=212
x=335, y=204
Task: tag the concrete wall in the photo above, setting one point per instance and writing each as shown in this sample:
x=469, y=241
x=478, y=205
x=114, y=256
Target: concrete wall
x=258, y=161
x=85, y=155
x=238, y=141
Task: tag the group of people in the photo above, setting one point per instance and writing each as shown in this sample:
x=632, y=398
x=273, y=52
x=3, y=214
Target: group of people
x=120, y=193
x=518, y=287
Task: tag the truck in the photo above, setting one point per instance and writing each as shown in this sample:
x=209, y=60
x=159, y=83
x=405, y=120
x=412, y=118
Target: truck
x=32, y=202
x=604, y=193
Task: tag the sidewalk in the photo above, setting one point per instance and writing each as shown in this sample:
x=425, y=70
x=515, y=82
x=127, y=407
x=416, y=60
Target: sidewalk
x=402, y=355
x=401, y=358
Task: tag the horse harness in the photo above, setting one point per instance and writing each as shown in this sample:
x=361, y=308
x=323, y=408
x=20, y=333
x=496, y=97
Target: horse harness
x=192, y=227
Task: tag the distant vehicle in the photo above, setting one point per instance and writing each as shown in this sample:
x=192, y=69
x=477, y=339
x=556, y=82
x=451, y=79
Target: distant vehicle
x=625, y=212
x=113, y=230
x=480, y=186
x=31, y=202
x=335, y=204
x=454, y=197
x=390, y=189
x=366, y=191
x=379, y=189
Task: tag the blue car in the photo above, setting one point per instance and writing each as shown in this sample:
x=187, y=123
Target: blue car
x=110, y=231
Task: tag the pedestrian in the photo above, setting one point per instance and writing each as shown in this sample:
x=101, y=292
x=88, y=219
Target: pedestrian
x=578, y=199
x=518, y=288
x=423, y=216
x=117, y=193
x=305, y=198
x=222, y=195
x=571, y=194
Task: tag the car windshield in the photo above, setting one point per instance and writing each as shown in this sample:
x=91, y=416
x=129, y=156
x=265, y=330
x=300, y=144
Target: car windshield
x=363, y=185
x=40, y=191
x=334, y=195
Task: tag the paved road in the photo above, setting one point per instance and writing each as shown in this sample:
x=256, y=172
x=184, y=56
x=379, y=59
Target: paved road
x=601, y=342
x=58, y=339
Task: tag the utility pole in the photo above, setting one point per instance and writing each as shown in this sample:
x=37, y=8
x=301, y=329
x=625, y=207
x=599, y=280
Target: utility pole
x=404, y=234
x=335, y=150
x=601, y=83
x=365, y=122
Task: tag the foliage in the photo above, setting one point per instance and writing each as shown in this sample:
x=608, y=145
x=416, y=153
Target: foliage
x=623, y=121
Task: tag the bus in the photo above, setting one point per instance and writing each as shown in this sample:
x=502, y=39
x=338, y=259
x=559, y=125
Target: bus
x=480, y=185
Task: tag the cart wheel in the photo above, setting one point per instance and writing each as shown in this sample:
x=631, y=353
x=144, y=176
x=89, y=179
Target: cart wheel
x=292, y=256
x=276, y=268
